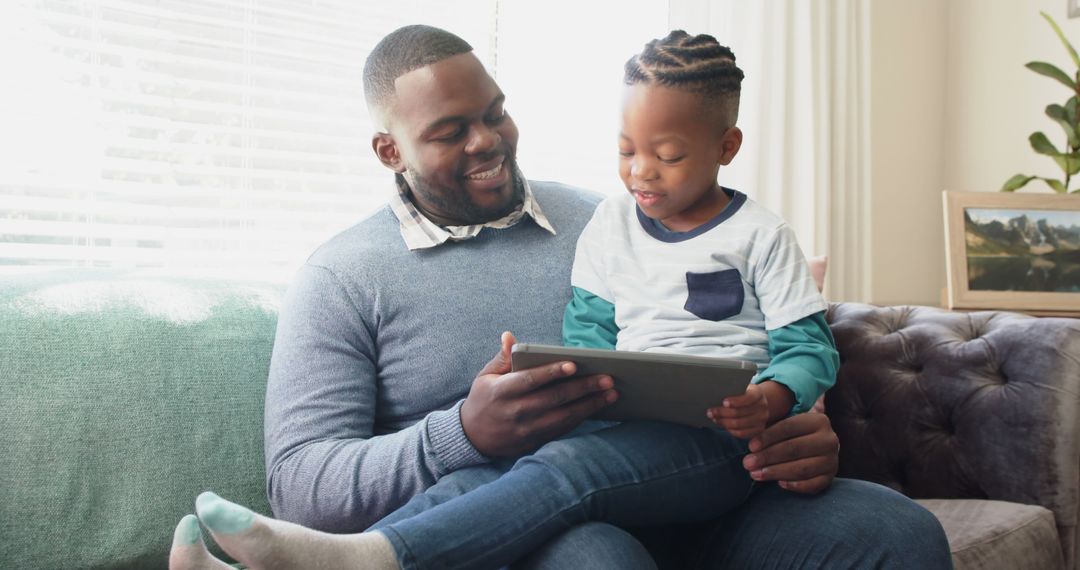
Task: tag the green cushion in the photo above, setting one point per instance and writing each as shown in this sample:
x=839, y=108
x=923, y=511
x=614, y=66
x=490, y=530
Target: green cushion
x=125, y=395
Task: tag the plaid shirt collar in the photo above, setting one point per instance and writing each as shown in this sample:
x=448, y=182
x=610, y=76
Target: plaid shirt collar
x=419, y=232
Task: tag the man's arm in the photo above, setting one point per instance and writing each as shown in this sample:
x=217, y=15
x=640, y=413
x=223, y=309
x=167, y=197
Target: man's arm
x=327, y=467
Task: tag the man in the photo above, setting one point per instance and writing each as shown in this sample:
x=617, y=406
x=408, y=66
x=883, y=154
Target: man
x=372, y=399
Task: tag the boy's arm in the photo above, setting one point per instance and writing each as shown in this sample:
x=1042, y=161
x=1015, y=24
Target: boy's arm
x=589, y=321
x=803, y=358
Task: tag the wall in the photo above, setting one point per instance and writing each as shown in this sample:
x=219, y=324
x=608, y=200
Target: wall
x=951, y=108
x=993, y=102
x=907, y=108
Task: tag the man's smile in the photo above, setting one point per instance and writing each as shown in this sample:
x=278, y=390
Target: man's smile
x=487, y=174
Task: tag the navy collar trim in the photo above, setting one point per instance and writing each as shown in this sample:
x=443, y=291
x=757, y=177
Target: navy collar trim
x=658, y=231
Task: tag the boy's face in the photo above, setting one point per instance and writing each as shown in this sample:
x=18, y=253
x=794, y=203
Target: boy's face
x=670, y=151
x=453, y=142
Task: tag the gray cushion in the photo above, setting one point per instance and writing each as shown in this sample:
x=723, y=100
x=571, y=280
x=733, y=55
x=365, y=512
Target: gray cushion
x=123, y=396
x=980, y=405
x=997, y=534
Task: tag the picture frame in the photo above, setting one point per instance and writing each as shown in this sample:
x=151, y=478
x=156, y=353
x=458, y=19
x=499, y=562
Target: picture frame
x=1074, y=8
x=1013, y=251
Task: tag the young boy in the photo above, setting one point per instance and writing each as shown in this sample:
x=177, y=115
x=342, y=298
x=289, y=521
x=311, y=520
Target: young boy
x=744, y=275
x=681, y=264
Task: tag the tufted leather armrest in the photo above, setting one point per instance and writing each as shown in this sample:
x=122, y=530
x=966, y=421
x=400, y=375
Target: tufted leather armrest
x=945, y=404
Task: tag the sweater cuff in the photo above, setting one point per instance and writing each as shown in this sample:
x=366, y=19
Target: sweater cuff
x=450, y=446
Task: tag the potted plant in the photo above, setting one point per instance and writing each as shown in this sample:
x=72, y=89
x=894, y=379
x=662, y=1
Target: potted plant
x=1064, y=115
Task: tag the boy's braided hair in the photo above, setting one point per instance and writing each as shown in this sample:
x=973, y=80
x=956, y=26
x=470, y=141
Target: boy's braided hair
x=698, y=64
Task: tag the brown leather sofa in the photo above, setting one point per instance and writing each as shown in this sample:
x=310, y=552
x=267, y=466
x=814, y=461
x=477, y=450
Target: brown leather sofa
x=976, y=415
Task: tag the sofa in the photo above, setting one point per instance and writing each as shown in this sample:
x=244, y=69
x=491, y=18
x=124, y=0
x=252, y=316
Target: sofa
x=126, y=393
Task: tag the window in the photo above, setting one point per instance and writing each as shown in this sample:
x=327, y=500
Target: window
x=232, y=136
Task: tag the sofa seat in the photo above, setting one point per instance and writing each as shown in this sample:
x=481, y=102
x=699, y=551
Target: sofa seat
x=126, y=394
x=992, y=535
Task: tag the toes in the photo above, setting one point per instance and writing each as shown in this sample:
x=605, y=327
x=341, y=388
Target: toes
x=187, y=532
x=221, y=516
x=188, y=549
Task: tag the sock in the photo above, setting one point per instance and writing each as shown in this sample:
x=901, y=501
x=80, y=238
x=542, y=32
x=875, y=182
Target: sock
x=188, y=549
x=260, y=542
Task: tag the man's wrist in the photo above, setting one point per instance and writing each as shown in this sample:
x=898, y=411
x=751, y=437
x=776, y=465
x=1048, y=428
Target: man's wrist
x=449, y=444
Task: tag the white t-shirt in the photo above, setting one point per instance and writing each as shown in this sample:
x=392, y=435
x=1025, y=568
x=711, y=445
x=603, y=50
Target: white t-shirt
x=713, y=291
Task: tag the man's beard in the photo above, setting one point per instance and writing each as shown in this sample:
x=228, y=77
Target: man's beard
x=458, y=205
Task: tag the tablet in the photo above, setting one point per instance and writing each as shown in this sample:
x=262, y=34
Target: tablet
x=652, y=386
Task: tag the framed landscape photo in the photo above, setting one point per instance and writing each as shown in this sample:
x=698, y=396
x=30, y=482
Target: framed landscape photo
x=1013, y=251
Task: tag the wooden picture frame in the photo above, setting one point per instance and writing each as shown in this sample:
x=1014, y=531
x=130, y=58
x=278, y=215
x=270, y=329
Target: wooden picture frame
x=1013, y=251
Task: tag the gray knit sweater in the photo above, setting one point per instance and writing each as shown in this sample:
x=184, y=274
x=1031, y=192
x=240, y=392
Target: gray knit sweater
x=377, y=346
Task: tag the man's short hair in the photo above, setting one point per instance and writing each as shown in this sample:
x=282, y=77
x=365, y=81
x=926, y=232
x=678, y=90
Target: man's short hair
x=698, y=64
x=401, y=51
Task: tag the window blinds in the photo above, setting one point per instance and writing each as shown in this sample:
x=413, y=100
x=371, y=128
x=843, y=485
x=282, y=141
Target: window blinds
x=231, y=136
x=186, y=133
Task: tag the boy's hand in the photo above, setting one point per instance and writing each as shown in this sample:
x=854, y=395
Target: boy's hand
x=743, y=416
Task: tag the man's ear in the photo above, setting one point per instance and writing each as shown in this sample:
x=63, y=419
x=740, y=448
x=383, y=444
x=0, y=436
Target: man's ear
x=730, y=143
x=386, y=150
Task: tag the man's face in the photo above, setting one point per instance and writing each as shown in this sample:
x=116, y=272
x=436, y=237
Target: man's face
x=451, y=139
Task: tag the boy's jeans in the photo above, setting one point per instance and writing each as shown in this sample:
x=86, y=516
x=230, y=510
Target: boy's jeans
x=630, y=474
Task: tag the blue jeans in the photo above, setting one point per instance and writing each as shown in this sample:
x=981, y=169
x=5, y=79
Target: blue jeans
x=630, y=474
x=853, y=524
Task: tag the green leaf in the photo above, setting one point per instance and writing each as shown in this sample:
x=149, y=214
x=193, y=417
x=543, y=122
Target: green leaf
x=1051, y=71
x=1059, y=114
x=1055, y=184
x=1070, y=109
x=1064, y=40
x=1074, y=163
x=1042, y=145
x=1016, y=182
x=1068, y=165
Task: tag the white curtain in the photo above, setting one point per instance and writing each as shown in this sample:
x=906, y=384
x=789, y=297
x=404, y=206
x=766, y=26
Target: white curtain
x=563, y=82
x=805, y=114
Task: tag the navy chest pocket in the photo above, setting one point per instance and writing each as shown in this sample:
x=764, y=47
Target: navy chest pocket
x=714, y=296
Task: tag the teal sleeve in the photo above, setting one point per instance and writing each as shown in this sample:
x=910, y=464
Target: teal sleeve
x=589, y=321
x=803, y=357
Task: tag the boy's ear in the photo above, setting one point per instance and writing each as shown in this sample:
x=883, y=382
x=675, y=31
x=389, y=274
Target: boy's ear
x=386, y=150
x=730, y=143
